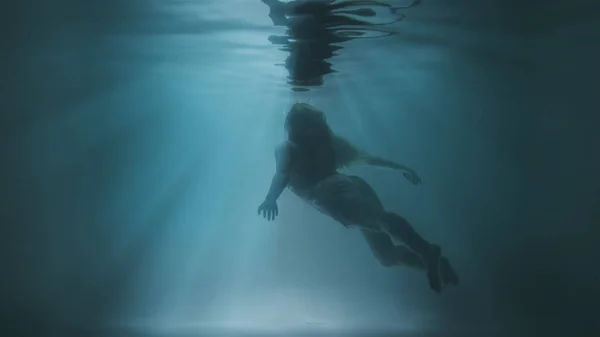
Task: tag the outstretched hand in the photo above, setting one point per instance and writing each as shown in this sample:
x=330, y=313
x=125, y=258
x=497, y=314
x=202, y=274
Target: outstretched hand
x=268, y=209
x=411, y=176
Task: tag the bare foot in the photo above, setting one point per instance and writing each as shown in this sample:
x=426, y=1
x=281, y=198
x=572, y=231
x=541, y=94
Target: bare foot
x=449, y=276
x=432, y=262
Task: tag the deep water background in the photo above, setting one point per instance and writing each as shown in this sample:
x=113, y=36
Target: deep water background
x=136, y=143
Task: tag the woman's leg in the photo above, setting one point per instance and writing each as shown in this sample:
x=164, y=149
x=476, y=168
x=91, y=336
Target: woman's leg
x=388, y=254
x=351, y=201
x=398, y=228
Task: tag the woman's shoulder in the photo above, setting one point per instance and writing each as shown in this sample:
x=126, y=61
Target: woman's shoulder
x=284, y=148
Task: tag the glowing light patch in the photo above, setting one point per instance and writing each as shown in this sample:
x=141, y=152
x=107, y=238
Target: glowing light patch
x=273, y=312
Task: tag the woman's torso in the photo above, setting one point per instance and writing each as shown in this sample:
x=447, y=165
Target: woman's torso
x=309, y=166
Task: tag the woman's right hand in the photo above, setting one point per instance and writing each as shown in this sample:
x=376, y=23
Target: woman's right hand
x=268, y=209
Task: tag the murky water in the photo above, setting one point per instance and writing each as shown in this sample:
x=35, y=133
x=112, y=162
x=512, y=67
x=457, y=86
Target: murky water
x=137, y=143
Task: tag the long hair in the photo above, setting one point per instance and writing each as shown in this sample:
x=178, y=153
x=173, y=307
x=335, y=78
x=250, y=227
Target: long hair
x=307, y=126
x=313, y=141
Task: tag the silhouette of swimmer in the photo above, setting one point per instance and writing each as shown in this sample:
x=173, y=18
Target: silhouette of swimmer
x=313, y=29
x=307, y=163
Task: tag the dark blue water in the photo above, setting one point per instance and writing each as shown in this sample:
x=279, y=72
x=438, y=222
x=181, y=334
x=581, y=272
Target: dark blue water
x=137, y=142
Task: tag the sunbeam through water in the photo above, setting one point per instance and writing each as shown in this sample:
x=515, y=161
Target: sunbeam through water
x=138, y=142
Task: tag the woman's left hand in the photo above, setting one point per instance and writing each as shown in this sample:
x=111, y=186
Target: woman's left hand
x=412, y=176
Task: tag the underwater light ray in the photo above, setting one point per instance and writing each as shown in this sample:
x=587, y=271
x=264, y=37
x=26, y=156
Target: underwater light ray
x=188, y=247
x=92, y=123
x=124, y=263
x=163, y=225
x=71, y=163
x=250, y=231
x=152, y=156
x=231, y=220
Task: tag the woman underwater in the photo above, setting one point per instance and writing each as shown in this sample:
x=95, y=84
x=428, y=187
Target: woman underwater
x=307, y=163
